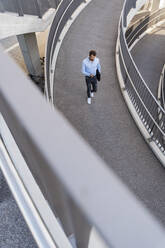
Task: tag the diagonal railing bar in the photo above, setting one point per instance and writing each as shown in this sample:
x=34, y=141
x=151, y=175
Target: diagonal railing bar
x=19, y=8
x=148, y=22
x=60, y=154
x=2, y=7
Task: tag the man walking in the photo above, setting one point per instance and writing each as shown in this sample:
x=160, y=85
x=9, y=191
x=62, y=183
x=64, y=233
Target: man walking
x=89, y=67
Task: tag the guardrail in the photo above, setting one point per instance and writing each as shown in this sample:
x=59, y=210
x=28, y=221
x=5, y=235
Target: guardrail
x=161, y=88
x=142, y=26
x=143, y=105
x=77, y=187
x=161, y=98
x=30, y=7
x=133, y=25
x=42, y=154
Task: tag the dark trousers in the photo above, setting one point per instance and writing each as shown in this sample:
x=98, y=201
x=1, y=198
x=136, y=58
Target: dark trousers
x=91, y=85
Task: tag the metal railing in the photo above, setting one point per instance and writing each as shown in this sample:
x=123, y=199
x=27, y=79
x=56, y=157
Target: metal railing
x=76, y=184
x=133, y=34
x=80, y=189
x=145, y=103
x=30, y=7
x=161, y=88
x=133, y=25
x=161, y=98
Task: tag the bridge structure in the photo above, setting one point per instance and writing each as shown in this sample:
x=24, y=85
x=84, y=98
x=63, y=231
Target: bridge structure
x=84, y=176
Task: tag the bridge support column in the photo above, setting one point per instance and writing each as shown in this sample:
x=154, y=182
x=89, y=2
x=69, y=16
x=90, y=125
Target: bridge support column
x=30, y=52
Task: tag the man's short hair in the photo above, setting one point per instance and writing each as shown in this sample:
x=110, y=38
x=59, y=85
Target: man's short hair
x=92, y=52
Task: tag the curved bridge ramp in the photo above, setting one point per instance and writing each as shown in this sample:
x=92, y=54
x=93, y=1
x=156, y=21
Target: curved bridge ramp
x=106, y=124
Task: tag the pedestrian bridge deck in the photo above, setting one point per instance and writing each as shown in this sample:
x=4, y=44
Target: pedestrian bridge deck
x=106, y=124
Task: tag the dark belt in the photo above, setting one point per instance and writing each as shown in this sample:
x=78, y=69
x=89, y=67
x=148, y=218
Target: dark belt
x=91, y=77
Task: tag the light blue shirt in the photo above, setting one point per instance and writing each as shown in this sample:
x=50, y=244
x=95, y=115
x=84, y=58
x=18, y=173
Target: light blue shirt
x=89, y=67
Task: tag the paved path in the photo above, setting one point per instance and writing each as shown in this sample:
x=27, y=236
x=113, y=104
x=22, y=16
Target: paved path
x=14, y=232
x=106, y=124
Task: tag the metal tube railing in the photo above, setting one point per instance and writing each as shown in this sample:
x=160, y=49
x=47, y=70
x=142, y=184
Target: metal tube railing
x=148, y=22
x=68, y=172
x=161, y=99
x=141, y=96
x=2, y=7
x=38, y=9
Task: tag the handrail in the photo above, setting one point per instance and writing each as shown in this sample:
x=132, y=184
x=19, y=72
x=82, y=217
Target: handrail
x=146, y=106
x=55, y=154
x=161, y=98
x=133, y=25
x=133, y=86
x=146, y=23
x=161, y=88
x=139, y=21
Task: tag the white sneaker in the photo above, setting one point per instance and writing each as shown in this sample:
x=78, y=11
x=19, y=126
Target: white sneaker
x=92, y=94
x=89, y=100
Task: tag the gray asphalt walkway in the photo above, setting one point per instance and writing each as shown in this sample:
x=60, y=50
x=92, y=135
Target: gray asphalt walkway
x=14, y=232
x=106, y=124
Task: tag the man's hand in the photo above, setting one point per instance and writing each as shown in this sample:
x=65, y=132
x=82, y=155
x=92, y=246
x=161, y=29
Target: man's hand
x=92, y=75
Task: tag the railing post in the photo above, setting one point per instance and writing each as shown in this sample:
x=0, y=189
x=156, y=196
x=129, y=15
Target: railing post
x=18, y=6
x=2, y=10
x=37, y=6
